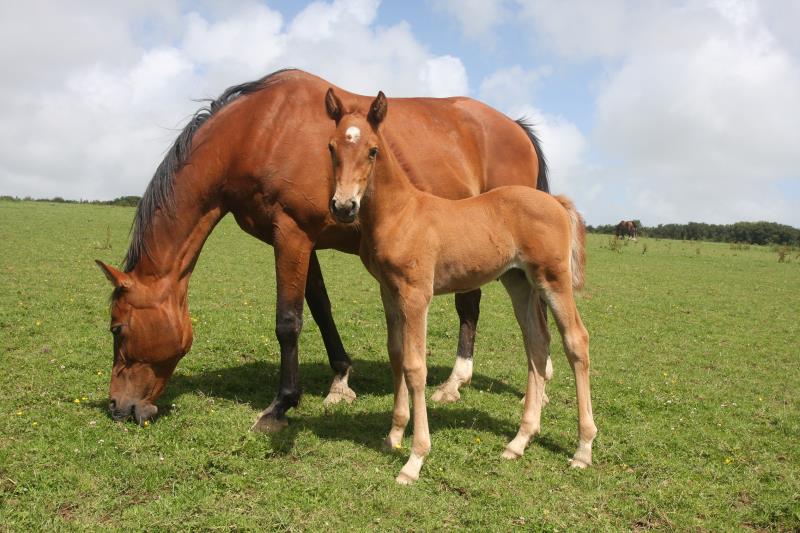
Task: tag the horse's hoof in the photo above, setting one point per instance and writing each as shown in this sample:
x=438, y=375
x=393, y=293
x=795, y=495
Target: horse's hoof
x=336, y=396
x=445, y=395
x=269, y=423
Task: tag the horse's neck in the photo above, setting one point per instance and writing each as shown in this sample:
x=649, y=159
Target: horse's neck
x=174, y=240
x=390, y=189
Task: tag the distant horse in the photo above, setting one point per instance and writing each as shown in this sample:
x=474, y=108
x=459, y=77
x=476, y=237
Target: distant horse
x=417, y=245
x=626, y=228
x=258, y=152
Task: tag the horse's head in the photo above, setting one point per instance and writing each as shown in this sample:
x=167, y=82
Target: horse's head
x=152, y=331
x=354, y=149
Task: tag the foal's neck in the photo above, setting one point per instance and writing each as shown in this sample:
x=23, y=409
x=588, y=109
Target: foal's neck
x=390, y=189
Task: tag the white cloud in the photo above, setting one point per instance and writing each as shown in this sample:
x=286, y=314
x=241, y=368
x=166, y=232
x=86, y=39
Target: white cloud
x=94, y=120
x=512, y=90
x=476, y=17
x=693, y=109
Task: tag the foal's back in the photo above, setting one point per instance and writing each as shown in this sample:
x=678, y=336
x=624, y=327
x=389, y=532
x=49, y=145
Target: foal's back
x=473, y=241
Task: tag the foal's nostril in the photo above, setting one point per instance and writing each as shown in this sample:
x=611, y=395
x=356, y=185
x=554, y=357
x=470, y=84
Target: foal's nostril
x=112, y=404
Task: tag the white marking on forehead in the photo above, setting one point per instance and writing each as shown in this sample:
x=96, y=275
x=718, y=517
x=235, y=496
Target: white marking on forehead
x=352, y=135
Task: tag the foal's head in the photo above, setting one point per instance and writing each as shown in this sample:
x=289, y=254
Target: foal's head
x=152, y=331
x=354, y=150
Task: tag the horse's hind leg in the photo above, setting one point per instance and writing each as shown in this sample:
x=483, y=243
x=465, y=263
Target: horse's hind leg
x=320, y=307
x=576, y=346
x=525, y=300
x=468, y=308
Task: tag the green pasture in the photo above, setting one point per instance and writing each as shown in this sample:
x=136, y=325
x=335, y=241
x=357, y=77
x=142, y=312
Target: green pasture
x=695, y=377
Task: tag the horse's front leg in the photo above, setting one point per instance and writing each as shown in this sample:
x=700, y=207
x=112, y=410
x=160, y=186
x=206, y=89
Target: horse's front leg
x=292, y=252
x=320, y=306
x=468, y=308
x=412, y=305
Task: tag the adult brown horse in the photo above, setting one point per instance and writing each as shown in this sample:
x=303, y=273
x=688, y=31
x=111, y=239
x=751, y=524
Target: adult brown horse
x=258, y=152
x=626, y=228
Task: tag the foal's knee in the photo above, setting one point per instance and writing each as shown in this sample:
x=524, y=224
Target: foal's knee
x=416, y=375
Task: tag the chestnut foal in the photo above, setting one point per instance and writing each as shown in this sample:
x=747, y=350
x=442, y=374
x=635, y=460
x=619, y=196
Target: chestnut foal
x=417, y=245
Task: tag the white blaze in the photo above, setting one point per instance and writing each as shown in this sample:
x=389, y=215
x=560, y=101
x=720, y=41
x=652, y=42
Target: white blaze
x=352, y=135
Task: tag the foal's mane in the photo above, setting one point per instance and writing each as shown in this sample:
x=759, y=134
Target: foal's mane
x=160, y=193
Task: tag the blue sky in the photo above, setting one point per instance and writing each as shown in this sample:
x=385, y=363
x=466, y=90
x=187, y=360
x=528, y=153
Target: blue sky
x=661, y=111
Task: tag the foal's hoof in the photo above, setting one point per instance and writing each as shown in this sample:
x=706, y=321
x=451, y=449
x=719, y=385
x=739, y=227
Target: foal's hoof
x=511, y=454
x=337, y=394
x=579, y=463
x=405, y=479
x=269, y=423
x=446, y=395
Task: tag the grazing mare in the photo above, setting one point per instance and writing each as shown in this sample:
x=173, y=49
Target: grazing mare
x=258, y=152
x=626, y=228
x=417, y=245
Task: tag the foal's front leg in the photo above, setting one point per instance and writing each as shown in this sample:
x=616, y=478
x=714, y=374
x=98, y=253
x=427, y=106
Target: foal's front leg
x=412, y=305
x=400, y=413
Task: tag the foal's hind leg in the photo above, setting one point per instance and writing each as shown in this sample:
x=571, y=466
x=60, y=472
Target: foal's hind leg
x=468, y=308
x=537, y=339
x=576, y=346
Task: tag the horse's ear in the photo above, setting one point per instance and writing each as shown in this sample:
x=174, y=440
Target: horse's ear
x=333, y=105
x=116, y=277
x=378, y=109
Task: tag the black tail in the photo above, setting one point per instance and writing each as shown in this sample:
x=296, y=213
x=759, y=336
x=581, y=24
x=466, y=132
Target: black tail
x=542, y=182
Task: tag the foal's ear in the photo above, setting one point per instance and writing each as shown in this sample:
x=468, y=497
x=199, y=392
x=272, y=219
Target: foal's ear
x=116, y=277
x=333, y=105
x=378, y=109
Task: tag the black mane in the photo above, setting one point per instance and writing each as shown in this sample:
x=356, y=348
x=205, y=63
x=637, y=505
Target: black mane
x=159, y=194
x=542, y=181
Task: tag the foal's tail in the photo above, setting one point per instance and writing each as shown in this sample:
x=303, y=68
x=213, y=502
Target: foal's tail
x=577, y=242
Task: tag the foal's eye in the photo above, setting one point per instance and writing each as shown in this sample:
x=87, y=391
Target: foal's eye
x=330, y=148
x=373, y=152
x=115, y=330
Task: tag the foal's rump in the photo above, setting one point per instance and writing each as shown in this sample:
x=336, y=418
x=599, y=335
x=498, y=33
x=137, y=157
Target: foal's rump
x=547, y=229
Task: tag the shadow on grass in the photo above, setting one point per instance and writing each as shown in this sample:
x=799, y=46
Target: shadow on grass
x=255, y=382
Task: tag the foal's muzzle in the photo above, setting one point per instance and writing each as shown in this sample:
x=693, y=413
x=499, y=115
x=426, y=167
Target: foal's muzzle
x=344, y=211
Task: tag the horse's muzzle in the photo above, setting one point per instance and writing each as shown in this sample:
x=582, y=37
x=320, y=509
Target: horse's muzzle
x=344, y=211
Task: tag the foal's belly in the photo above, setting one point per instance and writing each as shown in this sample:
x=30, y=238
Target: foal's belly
x=469, y=274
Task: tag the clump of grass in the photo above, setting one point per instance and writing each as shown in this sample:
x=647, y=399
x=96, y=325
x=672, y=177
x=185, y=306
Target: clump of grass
x=739, y=246
x=697, y=250
x=783, y=254
x=614, y=244
x=644, y=248
x=105, y=245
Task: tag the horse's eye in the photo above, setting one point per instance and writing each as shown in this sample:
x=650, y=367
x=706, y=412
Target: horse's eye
x=373, y=152
x=116, y=329
x=330, y=148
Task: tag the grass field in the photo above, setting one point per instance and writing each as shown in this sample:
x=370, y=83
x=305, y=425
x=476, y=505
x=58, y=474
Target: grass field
x=696, y=370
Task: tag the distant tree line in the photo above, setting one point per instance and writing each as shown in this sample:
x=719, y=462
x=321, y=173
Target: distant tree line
x=125, y=201
x=741, y=232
